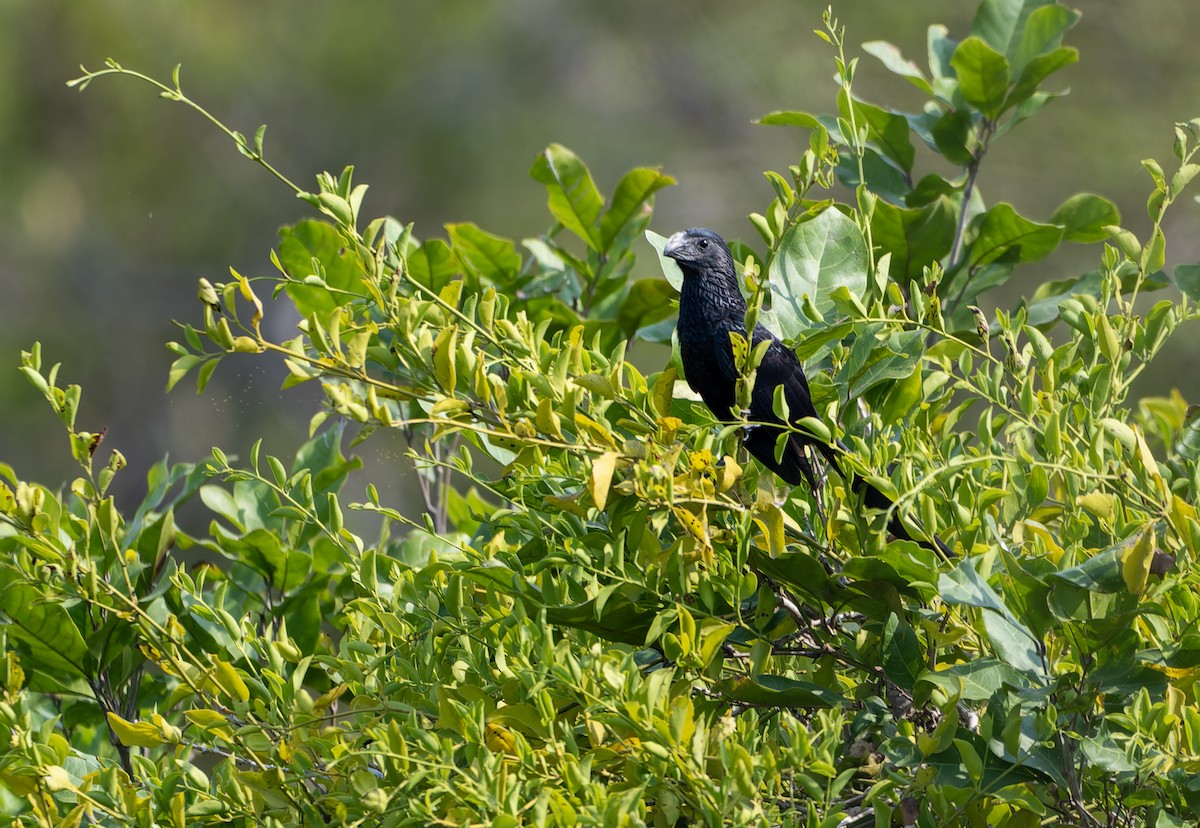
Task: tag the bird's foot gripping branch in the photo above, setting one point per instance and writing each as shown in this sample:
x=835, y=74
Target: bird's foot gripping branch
x=602, y=611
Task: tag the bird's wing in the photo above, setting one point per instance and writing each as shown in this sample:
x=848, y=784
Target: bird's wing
x=723, y=346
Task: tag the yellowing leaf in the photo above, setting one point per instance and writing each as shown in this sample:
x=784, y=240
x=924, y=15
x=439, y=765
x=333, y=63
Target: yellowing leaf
x=1100, y=504
x=443, y=358
x=547, y=420
x=1148, y=461
x=134, y=734
x=204, y=718
x=664, y=388
x=601, y=477
x=499, y=739
x=1135, y=565
x=329, y=697
x=697, y=527
x=227, y=678
x=448, y=407
x=57, y=778
x=769, y=519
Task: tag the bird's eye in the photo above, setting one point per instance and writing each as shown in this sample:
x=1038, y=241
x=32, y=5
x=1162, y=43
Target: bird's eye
x=704, y=244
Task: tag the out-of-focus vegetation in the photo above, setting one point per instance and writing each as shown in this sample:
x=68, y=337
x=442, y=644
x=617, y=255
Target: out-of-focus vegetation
x=113, y=206
x=604, y=614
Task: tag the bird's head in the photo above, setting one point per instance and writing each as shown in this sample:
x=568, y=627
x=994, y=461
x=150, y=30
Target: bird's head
x=699, y=249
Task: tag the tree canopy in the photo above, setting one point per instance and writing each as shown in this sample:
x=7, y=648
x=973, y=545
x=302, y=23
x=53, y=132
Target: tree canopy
x=606, y=614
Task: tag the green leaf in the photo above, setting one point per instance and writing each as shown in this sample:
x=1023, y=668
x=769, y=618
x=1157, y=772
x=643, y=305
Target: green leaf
x=887, y=131
x=1042, y=32
x=940, y=48
x=432, y=264
x=1036, y=71
x=914, y=237
x=813, y=258
x=951, y=133
x=896, y=63
x=670, y=267
x=56, y=647
x=1084, y=216
x=1013, y=643
x=791, y=118
x=983, y=75
x=901, y=650
x=572, y=195
x=1099, y=573
x=1002, y=22
x=1001, y=231
x=619, y=619
x=1187, y=279
x=648, y=301
x=976, y=680
x=896, y=360
x=493, y=258
x=631, y=201
x=299, y=246
x=777, y=691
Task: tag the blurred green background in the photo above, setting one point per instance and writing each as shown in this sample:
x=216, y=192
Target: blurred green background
x=114, y=202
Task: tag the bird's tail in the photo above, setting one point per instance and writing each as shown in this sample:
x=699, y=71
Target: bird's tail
x=875, y=499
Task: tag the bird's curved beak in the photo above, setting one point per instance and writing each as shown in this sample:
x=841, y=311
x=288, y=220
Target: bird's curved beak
x=675, y=245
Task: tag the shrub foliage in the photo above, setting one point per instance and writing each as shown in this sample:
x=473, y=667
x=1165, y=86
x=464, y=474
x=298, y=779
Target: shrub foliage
x=607, y=614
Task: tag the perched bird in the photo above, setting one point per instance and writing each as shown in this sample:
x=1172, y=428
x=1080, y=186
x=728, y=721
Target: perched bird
x=711, y=307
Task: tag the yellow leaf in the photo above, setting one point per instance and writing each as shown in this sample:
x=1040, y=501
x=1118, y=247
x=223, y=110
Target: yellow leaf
x=499, y=738
x=595, y=430
x=697, y=527
x=547, y=420
x=227, y=679
x=664, y=388
x=1100, y=504
x=134, y=734
x=1135, y=565
x=443, y=358
x=204, y=718
x=602, y=475
x=325, y=699
x=57, y=778
x=1148, y=461
x=448, y=407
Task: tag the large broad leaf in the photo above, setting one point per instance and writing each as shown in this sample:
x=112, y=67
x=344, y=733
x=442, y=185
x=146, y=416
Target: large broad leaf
x=493, y=258
x=299, y=245
x=887, y=131
x=1187, y=279
x=432, y=264
x=1002, y=232
x=1036, y=71
x=983, y=75
x=897, y=64
x=975, y=680
x=618, y=618
x=892, y=360
x=1002, y=22
x=914, y=237
x=630, y=202
x=1042, y=32
x=813, y=259
x=1084, y=217
x=56, y=647
x=777, y=691
x=648, y=301
x=902, y=657
x=670, y=267
x=571, y=194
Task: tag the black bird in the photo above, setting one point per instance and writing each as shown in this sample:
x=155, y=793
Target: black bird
x=711, y=307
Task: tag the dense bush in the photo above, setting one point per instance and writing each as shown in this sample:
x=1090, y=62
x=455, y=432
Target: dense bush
x=607, y=614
